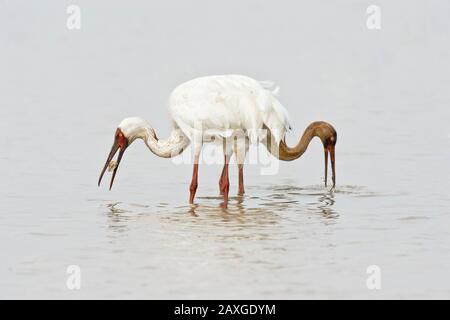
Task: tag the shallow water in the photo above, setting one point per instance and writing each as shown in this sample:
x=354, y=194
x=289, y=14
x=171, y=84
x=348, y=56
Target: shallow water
x=63, y=93
x=281, y=240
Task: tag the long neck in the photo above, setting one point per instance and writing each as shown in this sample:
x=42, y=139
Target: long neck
x=320, y=129
x=168, y=148
x=288, y=154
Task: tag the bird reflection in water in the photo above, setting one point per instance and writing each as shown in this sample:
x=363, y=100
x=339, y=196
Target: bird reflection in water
x=275, y=205
x=325, y=206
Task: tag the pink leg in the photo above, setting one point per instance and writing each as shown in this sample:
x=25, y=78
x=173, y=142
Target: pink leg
x=241, y=190
x=221, y=180
x=194, y=182
x=225, y=183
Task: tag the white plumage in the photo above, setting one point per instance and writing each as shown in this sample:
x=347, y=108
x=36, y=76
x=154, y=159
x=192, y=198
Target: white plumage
x=224, y=103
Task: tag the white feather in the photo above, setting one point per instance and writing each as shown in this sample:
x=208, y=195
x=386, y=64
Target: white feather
x=271, y=86
x=225, y=103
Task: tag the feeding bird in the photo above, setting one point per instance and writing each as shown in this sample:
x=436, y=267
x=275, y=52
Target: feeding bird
x=225, y=106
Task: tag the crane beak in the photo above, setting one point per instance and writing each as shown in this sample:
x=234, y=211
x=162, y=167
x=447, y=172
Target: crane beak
x=120, y=144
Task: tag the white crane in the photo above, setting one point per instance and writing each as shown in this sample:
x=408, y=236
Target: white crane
x=226, y=106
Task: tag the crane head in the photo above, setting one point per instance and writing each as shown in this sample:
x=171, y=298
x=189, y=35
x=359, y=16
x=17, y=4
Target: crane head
x=120, y=144
x=128, y=130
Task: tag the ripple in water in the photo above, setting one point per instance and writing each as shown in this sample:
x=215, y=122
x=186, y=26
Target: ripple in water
x=267, y=205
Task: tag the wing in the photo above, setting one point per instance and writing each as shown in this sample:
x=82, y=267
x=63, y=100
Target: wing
x=274, y=114
x=226, y=103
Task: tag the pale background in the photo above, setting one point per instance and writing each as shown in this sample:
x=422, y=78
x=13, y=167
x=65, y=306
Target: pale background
x=63, y=92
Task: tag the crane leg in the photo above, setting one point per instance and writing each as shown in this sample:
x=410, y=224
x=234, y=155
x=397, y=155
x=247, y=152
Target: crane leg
x=240, y=148
x=194, y=182
x=221, y=180
x=241, y=189
x=225, y=182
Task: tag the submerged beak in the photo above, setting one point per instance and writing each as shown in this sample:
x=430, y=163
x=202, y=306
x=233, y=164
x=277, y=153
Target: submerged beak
x=120, y=143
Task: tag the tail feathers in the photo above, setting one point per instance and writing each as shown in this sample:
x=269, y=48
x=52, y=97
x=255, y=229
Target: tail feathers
x=270, y=86
x=282, y=114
